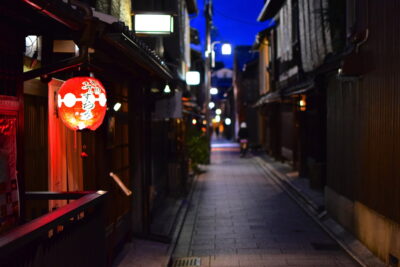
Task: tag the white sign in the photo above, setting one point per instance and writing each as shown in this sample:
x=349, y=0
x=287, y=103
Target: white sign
x=192, y=78
x=154, y=24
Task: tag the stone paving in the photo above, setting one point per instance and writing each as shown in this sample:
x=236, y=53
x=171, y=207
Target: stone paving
x=239, y=217
x=142, y=253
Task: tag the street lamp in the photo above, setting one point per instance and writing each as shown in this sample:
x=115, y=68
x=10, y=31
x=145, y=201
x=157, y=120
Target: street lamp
x=214, y=91
x=226, y=49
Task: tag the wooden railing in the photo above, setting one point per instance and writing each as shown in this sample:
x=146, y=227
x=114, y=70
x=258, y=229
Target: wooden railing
x=73, y=235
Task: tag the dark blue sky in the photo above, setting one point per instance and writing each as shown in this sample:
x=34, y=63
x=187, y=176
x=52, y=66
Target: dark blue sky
x=235, y=22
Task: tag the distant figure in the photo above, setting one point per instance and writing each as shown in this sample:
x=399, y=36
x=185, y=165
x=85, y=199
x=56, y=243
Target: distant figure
x=243, y=131
x=243, y=138
x=217, y=131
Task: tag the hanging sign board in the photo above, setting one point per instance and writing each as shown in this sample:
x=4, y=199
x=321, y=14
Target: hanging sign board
x=9, y=197
x=150, y=24
x=81, y=103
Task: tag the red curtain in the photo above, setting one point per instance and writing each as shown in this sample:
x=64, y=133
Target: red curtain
x=65, y=147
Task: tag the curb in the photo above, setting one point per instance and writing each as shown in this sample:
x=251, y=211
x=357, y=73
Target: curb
x=346, y=240
x=294, y=189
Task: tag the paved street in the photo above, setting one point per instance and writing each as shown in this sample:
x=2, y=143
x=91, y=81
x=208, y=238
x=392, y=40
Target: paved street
x=239, y=217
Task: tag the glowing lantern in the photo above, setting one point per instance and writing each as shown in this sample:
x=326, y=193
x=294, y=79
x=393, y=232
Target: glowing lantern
x=82, y=103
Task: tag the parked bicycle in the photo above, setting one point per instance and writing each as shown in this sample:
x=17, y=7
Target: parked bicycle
x=243, y=139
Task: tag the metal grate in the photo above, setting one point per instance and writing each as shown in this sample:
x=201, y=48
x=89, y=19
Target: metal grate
x=187, y=262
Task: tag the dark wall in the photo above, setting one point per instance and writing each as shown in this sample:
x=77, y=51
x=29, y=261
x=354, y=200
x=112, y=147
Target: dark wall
x=364, y=121
x=11, y=58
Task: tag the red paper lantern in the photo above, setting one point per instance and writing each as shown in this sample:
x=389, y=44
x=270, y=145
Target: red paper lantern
x=82, y=103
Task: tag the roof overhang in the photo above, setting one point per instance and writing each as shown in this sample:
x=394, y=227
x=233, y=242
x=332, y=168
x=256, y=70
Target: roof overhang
x=270, y=9
x=194, y=36
x=116, y=35
x=270, y=97
x=262, y=35
x=299, y=89
x=192, y=6
x=133, y=50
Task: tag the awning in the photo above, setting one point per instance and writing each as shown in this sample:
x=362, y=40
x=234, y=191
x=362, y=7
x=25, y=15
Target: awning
x=268, y=98
x=300, y=88
x=194, y=114
x=270, y=9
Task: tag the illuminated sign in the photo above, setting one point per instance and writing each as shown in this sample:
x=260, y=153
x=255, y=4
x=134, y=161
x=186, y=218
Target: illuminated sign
x=154, y=24
x=192, y=78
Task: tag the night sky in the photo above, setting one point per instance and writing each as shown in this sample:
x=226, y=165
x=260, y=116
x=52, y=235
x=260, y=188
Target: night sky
x=235, y=21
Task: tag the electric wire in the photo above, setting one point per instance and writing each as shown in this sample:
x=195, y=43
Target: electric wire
x=236, y=19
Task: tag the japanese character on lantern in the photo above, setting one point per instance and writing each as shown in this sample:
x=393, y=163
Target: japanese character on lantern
x=82, y=103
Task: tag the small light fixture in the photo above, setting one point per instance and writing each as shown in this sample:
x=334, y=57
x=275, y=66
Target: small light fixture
x=218, y=111
x=192, y=78
x=211, y=105
x=167, y=90
x=217, y=118
x=303, y=103
x=214, y=91
x=226, y=49
x=228, y=121
x=117, y=106
x=194, y=121
x=204, y=122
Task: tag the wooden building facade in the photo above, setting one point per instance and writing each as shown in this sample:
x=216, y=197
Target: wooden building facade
x=47, y=165
x=301, y=54
x=339, y=114
x=245, y=89
x=363, y=124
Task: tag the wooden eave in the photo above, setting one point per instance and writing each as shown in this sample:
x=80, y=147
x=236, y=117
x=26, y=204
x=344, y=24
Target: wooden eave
x=270, y=9
x=192, y=6
x=116, y=36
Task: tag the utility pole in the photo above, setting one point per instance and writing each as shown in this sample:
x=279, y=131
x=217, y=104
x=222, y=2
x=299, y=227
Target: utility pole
x=207, y=67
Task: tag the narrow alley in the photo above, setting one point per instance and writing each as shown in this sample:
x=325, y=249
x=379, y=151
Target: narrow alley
x=183, y=133
x=240, y=217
